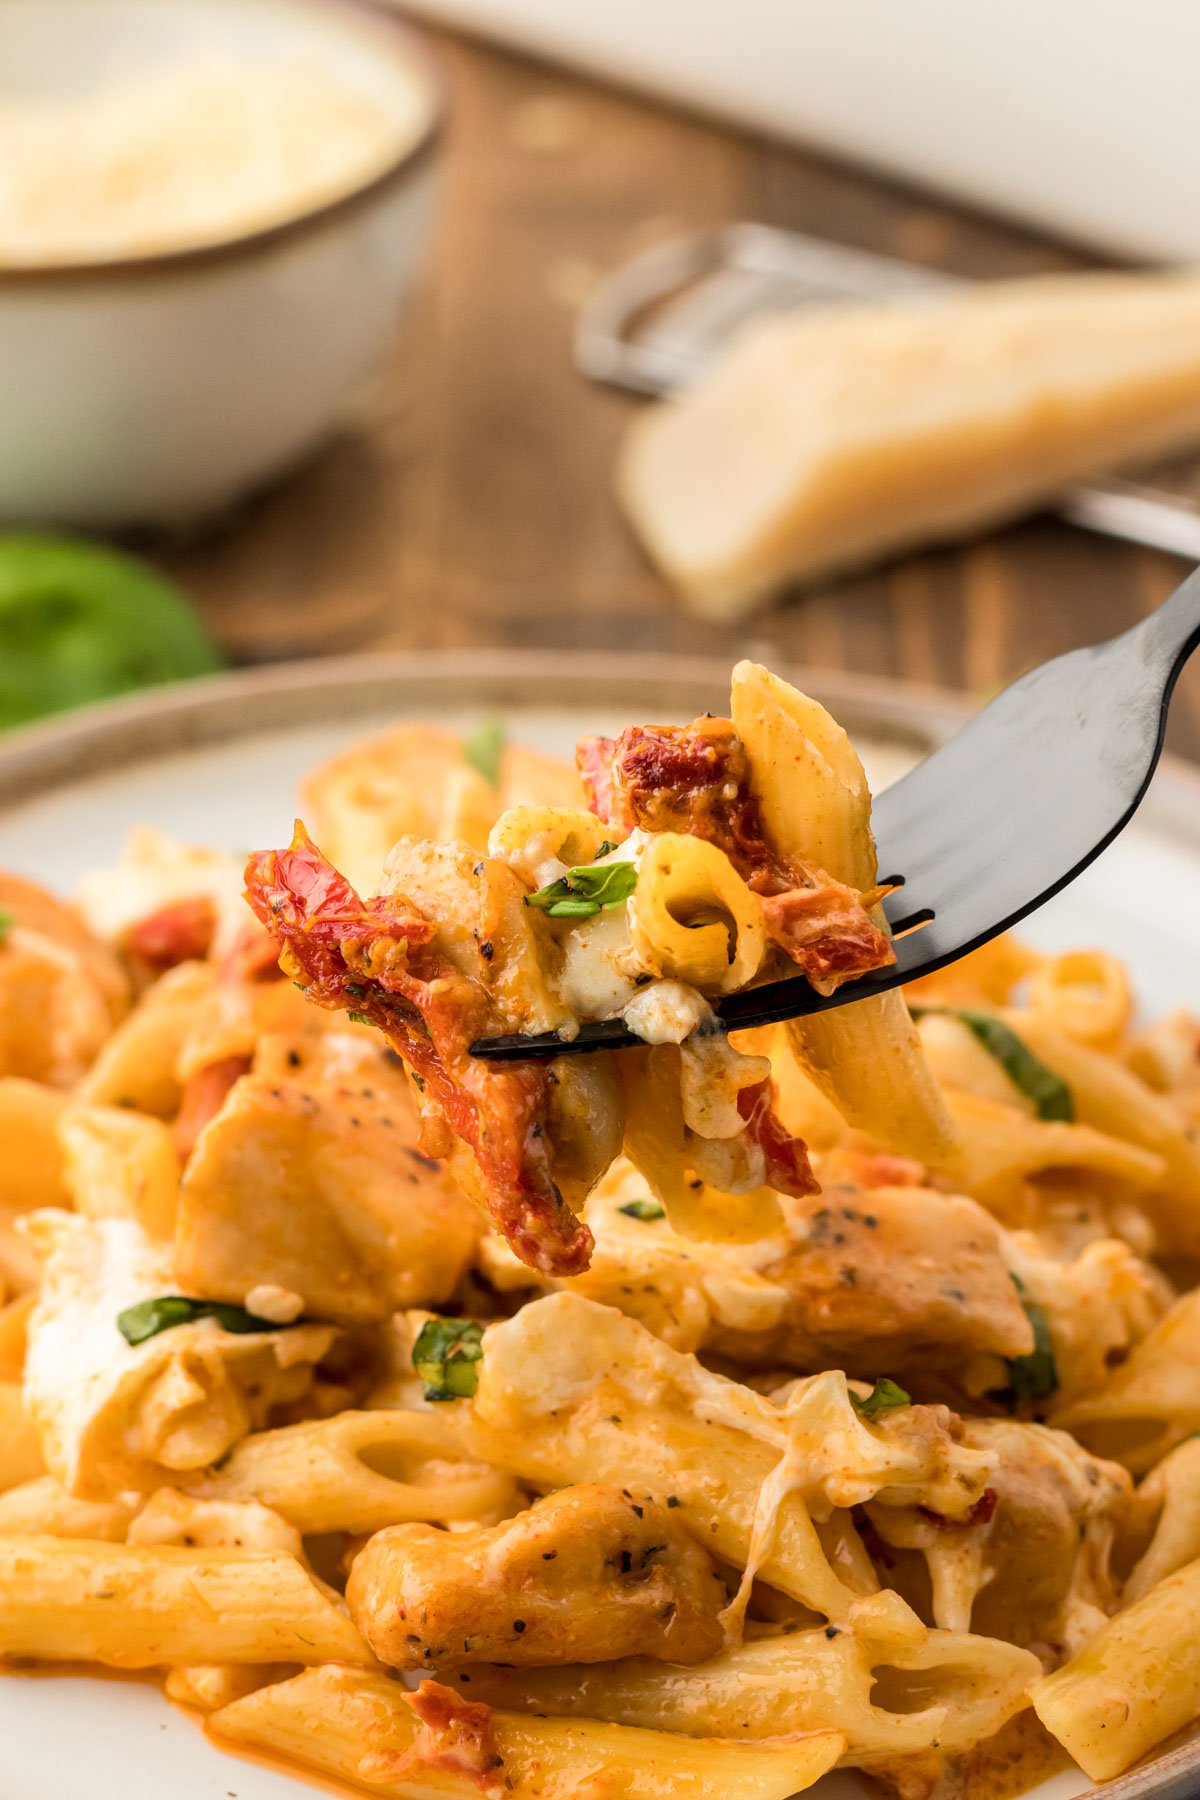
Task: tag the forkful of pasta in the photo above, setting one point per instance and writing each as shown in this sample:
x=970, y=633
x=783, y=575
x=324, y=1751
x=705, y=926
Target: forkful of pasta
x=985, y=830
x=722, y=882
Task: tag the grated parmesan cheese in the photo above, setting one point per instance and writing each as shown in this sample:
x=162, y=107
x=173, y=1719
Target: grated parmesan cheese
x=198, y=152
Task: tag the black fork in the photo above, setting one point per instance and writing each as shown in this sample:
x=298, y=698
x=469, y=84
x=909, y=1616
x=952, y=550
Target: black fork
x=1005, y=814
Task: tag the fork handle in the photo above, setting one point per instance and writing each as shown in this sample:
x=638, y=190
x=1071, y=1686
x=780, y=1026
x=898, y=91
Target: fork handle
x=1170, y=634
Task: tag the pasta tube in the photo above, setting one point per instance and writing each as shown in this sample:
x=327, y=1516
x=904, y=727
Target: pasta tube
x=1151, y=1401
x=1170, y=1497
x=360, y=1471
x=32, y=1173
x=1003, y=1146
x=40, y=1508
x=364, y=1729
x=121, y=1164
x=867, y=1058
x=1114, y=1100
x=138, y=1608
x=692, y=918
x=530, y=837
x=20, y=1451
x=137, y=1066
x=1134, y=1685
x=805, y=1681
x=656, y=1142
x=1084, y=994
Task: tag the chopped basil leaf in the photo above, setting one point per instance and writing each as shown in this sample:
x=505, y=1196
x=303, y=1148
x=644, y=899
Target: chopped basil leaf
x=642, y=1209
x=1033, y=1377
x=484, y=748
x=149, y=1317
x=6, y=923
x=445, y=1356
x=357, y=1018
x=606, y=849
x=884, y=1397
x=581, y=893
x=1050, y=1094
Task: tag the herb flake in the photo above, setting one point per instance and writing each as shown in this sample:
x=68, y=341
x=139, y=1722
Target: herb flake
x=6, y=923
x=446, y=1357
x=645, y=1210
x=484, y=749
x=884, y=1397
x=139, y=1323
x=1051, y=1096
x=1033, y=1377
x=585, y=891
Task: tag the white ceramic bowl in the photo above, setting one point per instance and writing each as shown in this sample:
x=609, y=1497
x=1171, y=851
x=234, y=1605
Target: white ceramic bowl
x=156, y=389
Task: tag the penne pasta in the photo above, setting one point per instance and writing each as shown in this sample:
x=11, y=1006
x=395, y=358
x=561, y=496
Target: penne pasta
x=1166, y=1518
x=20, y=1451
x=121, y=1165
x=357, y=1727
x=1151, y=1401
x=1134, y=1685
x=32, y=1171
x=137, y=1066
x=774, y=1686
x=1112, y=1099
x=1003, y=1148
x=361, y=1471
x=40, y=1508
x=693, y=919
x=1085, y=994
x=867, y=1059
x=130, y=1607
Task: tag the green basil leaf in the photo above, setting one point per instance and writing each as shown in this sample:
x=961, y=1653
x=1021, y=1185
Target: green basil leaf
x=445, y=1356
x=1050, y=1094
x=884, y=1397
x=583, y=892
x=484, y=749
x=6, y=923
x=1033, y=1377
x=145, y=1320
x=642, y=1209
x=80, y=622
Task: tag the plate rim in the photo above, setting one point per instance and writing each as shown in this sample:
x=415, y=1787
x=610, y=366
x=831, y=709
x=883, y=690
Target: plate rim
x=101, y=738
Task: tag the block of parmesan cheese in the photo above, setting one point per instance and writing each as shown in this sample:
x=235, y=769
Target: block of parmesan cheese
x=825, y=441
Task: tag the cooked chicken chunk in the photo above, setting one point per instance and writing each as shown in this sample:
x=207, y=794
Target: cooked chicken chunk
x=587, y=1574
x=895, y=1279
x=309, y=1179
x=1030, y=1564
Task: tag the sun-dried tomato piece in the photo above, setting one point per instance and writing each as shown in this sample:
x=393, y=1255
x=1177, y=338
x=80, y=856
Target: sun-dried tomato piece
x=376, y=958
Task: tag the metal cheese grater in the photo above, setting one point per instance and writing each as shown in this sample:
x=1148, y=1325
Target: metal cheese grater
x=658, y=320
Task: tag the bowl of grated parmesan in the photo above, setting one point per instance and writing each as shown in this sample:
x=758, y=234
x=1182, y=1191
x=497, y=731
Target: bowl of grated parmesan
x=211, y=214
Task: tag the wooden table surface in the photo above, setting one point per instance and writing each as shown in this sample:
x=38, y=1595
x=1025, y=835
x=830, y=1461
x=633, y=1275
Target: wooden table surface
x=469, y=500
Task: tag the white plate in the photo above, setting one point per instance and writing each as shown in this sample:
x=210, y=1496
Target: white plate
x=219, y=761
